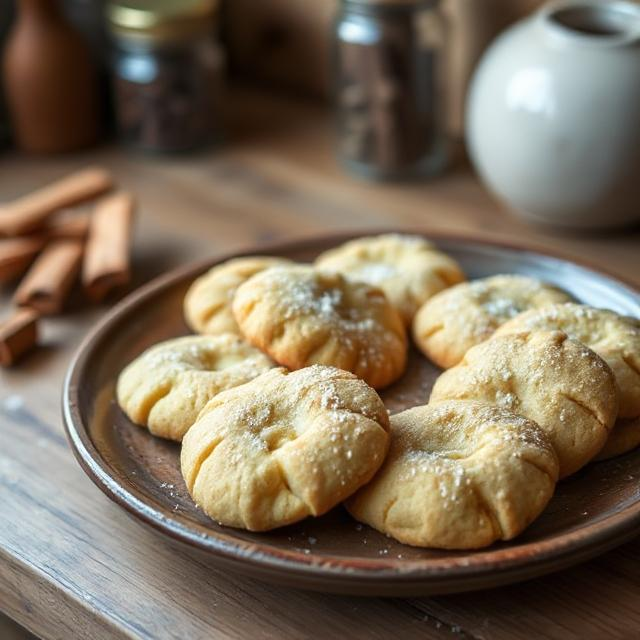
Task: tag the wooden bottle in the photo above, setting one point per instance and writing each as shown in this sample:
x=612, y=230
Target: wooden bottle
x=50, y=82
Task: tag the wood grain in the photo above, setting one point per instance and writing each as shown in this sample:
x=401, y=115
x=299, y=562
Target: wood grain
x=73, y=565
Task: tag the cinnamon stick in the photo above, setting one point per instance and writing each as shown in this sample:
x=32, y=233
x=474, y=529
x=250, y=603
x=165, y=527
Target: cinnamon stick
x=107, y=261
x=16, y=254
x=74, y=226
x=31, y=211
x=18, y=334
x=48, y=282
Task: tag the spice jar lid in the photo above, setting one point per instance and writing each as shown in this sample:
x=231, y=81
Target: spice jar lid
x=160, y=19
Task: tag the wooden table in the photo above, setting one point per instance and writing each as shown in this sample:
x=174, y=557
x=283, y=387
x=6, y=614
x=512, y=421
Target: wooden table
x=74, y=565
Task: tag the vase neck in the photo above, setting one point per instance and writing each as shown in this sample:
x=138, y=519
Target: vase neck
x=592, y=23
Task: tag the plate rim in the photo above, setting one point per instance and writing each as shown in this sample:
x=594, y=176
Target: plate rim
x=440, y=574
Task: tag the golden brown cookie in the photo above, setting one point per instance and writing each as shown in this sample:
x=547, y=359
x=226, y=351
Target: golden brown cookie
x=459, y=475
x=615, y=338
x=165, y=388
x=551, y=379
x=408, y=268
x=456, y=319
x=301, y=316
x=284, y=446
x=207, y=305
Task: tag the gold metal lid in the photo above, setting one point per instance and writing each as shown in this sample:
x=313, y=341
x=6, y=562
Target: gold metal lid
x=160, y=19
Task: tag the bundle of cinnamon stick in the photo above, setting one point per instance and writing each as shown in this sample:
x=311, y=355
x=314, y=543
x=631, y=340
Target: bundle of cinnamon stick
x=49, y=246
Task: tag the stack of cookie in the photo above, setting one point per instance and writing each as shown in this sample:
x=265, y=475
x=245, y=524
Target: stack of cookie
x=276, y=407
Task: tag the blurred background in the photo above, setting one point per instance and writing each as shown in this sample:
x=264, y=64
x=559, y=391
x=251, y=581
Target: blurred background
x=279, y=45
x=412, y=85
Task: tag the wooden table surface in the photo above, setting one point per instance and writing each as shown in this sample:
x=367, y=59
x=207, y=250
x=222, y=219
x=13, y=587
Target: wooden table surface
x=74, y=565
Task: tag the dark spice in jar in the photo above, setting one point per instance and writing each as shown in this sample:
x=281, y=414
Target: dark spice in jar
x=388, y=60
x=168, y=103
x=168, y=75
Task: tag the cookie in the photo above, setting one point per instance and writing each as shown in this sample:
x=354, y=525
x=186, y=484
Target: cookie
x=207, y=305
x=624, y=437
x=409, y=269
x=165, y=388
x=547, y=377
x=615, y=338
x=301, y=316
x=459, y=475
x=456, y=319
x=284, y=446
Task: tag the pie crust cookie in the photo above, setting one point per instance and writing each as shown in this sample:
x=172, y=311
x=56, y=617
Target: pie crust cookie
x=284, y=446
x=165, y=388
x=408, y=268
x=456, y=319
x=207, y=305
x=615, y=338
x=459, y=475
x=551, y=379
x=300, y=316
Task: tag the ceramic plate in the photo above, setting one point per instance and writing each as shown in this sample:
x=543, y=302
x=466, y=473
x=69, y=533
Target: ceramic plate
x=591, y=512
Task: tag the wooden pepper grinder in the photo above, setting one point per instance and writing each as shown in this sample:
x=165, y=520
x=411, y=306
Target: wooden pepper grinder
x=50, y=81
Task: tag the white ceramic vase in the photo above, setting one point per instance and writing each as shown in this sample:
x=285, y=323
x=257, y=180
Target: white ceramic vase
x=553, y=115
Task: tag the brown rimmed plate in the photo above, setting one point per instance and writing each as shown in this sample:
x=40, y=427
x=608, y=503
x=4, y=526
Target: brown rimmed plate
x=591, y=512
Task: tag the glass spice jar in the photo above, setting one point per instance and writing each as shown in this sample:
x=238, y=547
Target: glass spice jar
x=167, y=73
x=390, y=59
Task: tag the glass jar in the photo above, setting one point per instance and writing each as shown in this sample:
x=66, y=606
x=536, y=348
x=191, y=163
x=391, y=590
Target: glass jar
x=167, y=73
x=389, y=87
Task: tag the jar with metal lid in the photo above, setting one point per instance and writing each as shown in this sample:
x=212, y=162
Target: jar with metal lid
x=390, y=58
x=168, y=71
